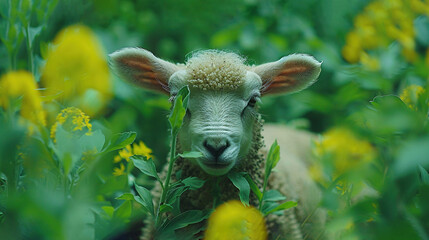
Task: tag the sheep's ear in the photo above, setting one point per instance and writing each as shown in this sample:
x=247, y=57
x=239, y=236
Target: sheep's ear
x=289, y=74
x=141, y=67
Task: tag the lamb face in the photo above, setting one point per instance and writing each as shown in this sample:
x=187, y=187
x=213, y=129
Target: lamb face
x=219, y=122
x=221, y=115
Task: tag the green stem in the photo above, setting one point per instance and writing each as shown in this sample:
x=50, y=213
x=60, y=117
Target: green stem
x=262, y=197
x=167, y=180
x=29, y=50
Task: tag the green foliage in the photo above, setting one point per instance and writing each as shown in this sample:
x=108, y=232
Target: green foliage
x=179, y=110
x=170, y=197
x=268, y=200
x=146, y=166
x=243, y=186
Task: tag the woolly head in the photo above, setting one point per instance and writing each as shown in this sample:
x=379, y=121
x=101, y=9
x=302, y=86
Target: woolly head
x=224, y=91
x=215, y=70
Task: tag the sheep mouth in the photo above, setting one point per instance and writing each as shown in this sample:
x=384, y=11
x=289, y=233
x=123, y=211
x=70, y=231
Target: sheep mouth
x=216, y=168
x=217, y=165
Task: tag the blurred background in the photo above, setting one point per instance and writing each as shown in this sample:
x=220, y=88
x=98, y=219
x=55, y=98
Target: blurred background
x=369, y=106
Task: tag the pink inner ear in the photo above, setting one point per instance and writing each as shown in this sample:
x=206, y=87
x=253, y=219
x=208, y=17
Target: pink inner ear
x=292, y=70
x=287, y=78
x=141, y=72
x=136, y=63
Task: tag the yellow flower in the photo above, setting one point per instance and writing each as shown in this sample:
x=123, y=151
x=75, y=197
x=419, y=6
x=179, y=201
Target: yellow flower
x=412, y=95
x=369, y=62
x=131, y=150
x=119, y=171
x=135, y=149
x=346, y=151
x=72, y=119
x=233, y=220
x=142, y=149
x=76, y=70
x=381, y=23
x=22, y=83
x=117, y=159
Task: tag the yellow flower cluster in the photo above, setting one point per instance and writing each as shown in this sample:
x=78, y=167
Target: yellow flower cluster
x=21, y=83
x=412, y=95
x=234, y=221
x=127, y=152
x=76, y=70
x=72, y=119
x=381, y=23
x=119, y=171
x=344, y=150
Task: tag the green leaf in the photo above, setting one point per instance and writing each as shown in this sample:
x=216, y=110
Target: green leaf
x=193, y=154
x=193, y=182
x=109, y=210
x=4, y=7
x=179, y=110
x=182, y=220
x=126, y=196
x=190, y=233
x=165, y=208
x=94, y=141
x=147, y=166
x=273, y=196
x=387, y=101
x=123, y=211
x=67, y=148
x=281, y=207
x=254, y=187
x=33, y=32
x=174, y=193
x=146, y=198
x=241, y=183
x=272, y=159
x=119, y=141
x=424, y=175
x=411, y=155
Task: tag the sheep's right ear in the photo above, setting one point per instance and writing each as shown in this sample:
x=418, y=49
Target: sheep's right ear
x=141, y=67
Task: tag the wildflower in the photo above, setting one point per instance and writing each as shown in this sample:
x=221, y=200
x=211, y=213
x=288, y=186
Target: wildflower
x=233, y=220
x=135, y=149
x=22, y=83
x=128, y=151
x=72, y=119
x=76, y=70
x=371, y=63
x=345, y=150
x=119, y=171
x=381, y=23
x=412, y=96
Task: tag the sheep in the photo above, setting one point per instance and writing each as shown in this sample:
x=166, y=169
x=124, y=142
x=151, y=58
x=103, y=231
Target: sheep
x=222, y=123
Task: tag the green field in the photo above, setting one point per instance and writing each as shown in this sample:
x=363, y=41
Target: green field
x=70, y=128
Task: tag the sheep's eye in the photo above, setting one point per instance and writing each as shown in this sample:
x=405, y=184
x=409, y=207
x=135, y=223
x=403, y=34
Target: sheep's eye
x=252, y=102
x=188, y=112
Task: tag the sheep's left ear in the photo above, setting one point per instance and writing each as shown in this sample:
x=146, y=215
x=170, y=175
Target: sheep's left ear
x=289, y=74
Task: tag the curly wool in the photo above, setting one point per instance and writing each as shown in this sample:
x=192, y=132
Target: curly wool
x=216, y=70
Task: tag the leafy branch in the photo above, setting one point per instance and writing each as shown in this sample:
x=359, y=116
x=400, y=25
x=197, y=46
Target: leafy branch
x=268, y=199
x=171, y=192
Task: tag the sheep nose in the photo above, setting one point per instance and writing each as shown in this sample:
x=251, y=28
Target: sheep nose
x=216, y=146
